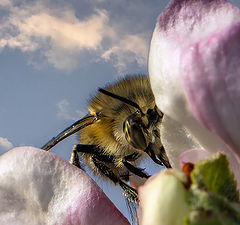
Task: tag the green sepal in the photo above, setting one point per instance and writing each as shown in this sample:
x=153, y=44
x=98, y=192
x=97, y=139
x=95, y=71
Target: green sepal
x=213, y=196
x=208, y=208
x=215, y=175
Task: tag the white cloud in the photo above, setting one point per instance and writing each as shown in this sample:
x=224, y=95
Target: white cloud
x=5, y=143
x=65, y=113
x=63, y=40
x=131, y=48
x=5, y=3
x=66, y=32
x=58, y=34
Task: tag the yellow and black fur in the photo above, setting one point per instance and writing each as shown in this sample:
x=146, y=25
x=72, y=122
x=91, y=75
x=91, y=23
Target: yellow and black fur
x=121, y=128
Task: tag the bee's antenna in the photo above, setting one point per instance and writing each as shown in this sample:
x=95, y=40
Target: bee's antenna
x=127, y=101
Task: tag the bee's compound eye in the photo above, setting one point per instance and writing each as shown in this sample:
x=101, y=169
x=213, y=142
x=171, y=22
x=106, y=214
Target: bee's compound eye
x=134, y=134
x=149, y=111
x=152, y=115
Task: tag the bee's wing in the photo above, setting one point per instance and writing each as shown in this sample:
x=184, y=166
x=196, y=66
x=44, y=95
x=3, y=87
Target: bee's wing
x=75, y=127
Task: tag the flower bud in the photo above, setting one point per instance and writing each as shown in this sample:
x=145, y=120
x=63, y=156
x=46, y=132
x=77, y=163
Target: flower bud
x=163, y=199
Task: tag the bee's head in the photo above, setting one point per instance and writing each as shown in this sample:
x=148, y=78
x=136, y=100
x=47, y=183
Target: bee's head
x=137, y=126
x=141, y=129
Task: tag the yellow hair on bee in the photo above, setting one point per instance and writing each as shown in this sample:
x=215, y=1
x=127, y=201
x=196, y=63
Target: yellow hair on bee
x=108, y=133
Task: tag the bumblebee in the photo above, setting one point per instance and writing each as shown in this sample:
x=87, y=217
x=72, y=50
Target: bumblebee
x=122, y=128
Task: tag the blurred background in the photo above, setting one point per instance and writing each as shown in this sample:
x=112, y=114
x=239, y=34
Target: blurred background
x=54, y=55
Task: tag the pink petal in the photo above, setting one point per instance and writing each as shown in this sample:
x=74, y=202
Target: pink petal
x=193, y=156
x=211, y=66
x=181, y=24
x=38, y=187
x=194, y=71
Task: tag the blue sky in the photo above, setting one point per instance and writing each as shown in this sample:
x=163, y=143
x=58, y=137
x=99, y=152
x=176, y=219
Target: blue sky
x=53, y=57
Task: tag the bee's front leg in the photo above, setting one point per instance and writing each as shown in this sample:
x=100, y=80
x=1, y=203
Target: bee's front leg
x=74, y=159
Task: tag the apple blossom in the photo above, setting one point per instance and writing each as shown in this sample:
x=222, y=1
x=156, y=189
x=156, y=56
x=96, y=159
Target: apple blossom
x=38, y=187
x=194, y=71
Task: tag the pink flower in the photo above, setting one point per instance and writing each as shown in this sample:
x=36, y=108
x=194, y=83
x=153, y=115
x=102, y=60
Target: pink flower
x=195, y=76
x=38, y=187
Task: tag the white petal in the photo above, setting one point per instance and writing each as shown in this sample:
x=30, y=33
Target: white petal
x=176, y=139
x=38, y=187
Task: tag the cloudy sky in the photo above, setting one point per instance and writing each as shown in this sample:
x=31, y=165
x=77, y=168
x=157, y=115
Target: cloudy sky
x=55, y=54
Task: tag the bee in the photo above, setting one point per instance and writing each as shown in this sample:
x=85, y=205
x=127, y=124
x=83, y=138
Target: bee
x=121, y=128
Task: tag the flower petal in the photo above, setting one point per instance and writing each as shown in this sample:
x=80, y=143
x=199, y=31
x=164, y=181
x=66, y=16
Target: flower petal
x=176, y=139
x=178, y=72
x=38, y=187
x=211, y=77
x=193, y=156
x=180, y=25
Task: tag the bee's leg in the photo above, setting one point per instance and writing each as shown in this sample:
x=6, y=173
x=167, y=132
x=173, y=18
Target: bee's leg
x=100, y=161
x=90, y=149
x=74, y=159
x=94, y=150
x=135, y=170
x=130, y=192
x=80, y=148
